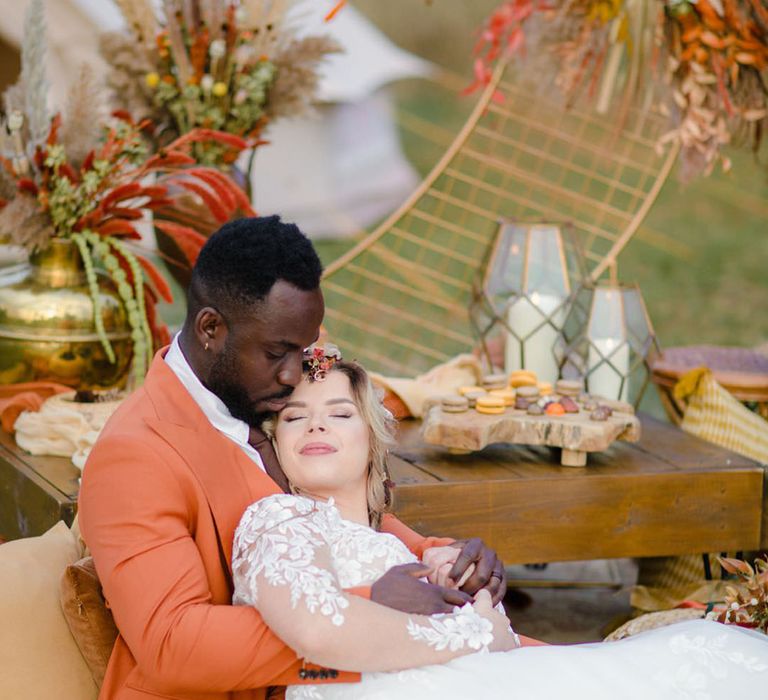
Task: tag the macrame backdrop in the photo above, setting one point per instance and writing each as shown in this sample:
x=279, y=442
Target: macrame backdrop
x=398, y=301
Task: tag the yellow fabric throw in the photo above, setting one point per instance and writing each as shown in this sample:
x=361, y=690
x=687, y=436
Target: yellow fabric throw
x=712, y=414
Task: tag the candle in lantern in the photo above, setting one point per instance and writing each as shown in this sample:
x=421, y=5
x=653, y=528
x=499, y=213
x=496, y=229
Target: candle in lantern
x=532, y=349
x=607, y=365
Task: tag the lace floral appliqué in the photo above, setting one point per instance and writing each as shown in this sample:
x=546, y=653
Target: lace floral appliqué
x=278, y=540
x=705, y=659
x=464, y=628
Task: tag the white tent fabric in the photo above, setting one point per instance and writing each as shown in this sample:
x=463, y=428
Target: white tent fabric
x=345, y=168
x=333, y=173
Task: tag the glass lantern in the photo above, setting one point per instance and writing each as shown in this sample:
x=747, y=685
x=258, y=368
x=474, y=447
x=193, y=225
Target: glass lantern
x=608, y=340
x=522, y=294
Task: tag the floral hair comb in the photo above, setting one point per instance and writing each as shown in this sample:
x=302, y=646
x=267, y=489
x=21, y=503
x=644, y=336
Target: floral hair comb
x=318, y=360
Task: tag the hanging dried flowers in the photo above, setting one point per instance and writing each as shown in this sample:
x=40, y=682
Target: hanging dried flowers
x=717, y=54
x=711, y=80
x=227, y=65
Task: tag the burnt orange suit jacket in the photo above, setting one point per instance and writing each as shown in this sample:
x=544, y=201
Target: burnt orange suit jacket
x=161, y=496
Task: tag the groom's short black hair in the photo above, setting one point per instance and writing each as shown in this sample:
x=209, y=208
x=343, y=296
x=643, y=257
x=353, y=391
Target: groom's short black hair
x=240, y=263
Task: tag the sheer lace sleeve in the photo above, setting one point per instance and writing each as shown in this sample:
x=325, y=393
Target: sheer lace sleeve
x=280, y=542
x=283, y=565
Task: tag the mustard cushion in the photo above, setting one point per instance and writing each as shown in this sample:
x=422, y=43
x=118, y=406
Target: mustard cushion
x=39, y=659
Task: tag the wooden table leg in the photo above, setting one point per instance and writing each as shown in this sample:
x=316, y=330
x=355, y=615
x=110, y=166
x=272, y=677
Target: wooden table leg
x=573, y=458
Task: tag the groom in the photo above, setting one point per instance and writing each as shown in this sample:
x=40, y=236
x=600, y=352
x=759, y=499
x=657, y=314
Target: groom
x=179, y=462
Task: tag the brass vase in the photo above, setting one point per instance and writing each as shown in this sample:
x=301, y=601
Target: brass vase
x=47, y=331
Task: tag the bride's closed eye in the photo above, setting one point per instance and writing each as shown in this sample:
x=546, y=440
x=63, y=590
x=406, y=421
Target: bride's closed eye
x=292, y=418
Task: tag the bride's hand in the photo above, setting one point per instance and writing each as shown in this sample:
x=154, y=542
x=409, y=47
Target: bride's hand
x=441, y=561
x=503, y=637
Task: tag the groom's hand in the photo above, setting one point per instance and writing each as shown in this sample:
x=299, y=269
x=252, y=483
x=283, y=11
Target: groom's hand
x=401, y=589
x=488, y=572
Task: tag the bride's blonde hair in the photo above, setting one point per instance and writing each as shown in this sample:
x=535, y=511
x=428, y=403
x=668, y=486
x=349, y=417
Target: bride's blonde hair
x=381, y=430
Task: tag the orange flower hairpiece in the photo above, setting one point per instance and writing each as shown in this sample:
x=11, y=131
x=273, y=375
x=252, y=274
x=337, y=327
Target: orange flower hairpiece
x=318, y=360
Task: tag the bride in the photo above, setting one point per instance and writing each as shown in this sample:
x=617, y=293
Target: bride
x=294, y=556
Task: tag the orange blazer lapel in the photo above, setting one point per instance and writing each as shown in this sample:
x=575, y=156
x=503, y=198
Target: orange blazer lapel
x=217, y=462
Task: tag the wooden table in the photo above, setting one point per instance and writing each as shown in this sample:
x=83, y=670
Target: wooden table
x=35, y=492
x=670, y=493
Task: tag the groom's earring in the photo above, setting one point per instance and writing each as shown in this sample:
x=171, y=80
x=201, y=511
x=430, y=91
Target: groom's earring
x=206, y=345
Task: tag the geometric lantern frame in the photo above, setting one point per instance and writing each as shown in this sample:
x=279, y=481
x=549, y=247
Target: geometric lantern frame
x=522, y=294
x=608, y=341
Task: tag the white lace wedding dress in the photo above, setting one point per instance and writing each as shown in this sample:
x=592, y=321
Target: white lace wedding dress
x=307, y=548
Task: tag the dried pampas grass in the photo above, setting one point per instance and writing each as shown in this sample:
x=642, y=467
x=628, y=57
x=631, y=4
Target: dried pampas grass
x=14, y=99
x=295, y=88
x=178, y=49
x=212, y=13
x=140, y=17
x=33, y=75
x=128, y=63
x=265, y=19
x=81, y=129
x=24, y=224
x=7, y=184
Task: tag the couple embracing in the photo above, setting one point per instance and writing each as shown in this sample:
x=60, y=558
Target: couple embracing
x=236, y=510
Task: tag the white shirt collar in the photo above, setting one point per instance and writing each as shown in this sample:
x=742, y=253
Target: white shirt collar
x=210, y=404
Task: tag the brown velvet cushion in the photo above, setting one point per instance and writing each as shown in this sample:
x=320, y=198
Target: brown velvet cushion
x=87, y=615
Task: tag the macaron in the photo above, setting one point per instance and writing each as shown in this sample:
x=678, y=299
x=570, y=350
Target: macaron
x=495, y=381
x=601, y=413
x=464, y=390
x=473, y=396
x=508, y=395
x=491, y=405
x=522, y=377
x=569, y=387
x=528, y=392
x=545, y=388
x=569, y=404
x=522, y=404
x=454, y=404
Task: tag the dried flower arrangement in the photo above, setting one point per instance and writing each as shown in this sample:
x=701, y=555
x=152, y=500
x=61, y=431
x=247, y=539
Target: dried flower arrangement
x=717, y=55
x=707, y=60
x=229, y=65
x=88, y=180
x=747, y=602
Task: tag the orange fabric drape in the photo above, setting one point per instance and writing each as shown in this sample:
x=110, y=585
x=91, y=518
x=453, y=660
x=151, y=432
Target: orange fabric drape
x=29, y=396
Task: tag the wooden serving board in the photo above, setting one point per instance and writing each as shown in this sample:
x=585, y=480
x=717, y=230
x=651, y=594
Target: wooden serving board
x=575, y=433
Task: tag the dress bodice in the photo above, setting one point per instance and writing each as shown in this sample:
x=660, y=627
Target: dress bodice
x=278, y=534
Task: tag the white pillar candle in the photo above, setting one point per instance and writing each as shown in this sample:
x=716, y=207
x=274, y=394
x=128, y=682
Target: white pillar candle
x=523, y=316
x=603, y=379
